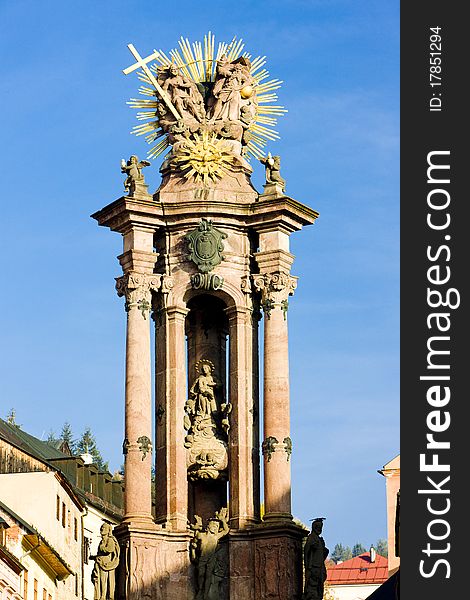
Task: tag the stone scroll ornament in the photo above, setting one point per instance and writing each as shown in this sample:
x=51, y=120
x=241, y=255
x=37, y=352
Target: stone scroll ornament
x=209, y=557
x=106, y=562
x=215, y=107
x=207, y=423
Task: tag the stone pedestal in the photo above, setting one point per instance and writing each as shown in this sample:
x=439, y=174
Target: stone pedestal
x=200, y=267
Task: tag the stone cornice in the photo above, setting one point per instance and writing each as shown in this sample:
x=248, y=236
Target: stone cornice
x=282, y=213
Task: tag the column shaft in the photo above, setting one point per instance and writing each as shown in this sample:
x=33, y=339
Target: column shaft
x=138, y=418
x=277, y=475
x=171, y=395
x=244, y=486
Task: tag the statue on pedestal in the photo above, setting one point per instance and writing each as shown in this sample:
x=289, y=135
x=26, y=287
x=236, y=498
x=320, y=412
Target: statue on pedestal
x=315, y=553
x=207, y=424
x=106, y=562
x=273, y=170
x=208, y=555
x=133, y=169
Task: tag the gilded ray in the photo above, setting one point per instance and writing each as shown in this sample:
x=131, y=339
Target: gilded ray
x=198, y=61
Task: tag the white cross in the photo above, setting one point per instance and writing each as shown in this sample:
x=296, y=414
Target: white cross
x=142, y=64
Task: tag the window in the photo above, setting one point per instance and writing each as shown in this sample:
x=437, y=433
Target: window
x=75, y=529
x=76, y=584
x=35, y=589
x=25, y=584
x=58, y=509
x=44, y=594
x=64, y=514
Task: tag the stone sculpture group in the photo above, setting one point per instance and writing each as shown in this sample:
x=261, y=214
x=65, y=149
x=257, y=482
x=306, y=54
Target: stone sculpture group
x=206, y=421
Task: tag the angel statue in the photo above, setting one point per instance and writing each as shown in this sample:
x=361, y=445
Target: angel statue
x=273, y=170
x=133, y=169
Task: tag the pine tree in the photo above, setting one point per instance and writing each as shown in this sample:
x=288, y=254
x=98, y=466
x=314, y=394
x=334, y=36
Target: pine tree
x=66, y=434
x=341, y=553
x=358, y=549
x=87, y=443
x=381, y=548
x=51, y=438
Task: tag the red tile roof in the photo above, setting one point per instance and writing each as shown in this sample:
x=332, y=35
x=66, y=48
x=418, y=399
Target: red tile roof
x=359, y=570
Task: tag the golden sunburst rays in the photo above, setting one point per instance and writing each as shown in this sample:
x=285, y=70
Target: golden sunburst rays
x=198, y=62
x=204, y=158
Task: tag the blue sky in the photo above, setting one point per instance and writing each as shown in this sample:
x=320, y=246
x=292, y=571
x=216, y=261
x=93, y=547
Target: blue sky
x=65, y=126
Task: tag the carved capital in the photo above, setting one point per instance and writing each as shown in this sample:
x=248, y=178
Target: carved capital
x=137, y=289
x=275, y=289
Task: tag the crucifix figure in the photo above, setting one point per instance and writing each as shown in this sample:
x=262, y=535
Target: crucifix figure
x=142, y=63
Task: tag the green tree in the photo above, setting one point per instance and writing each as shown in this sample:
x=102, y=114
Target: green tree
x=381, y=547
x=358, y=549
x=51, y=438
x=341, y=553
x=87, y=444
x=66, y=435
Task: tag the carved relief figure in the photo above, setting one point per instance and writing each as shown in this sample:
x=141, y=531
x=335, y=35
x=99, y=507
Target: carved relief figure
x=208, y=556
x=315, y=553
x=133, y=169
x=232, y=84
x=106, y=562
x=183, y=93
x=273, y=170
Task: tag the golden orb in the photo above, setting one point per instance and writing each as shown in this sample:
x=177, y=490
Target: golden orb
x=246, y=92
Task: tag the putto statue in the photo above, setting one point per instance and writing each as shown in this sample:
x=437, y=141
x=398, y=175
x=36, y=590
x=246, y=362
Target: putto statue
x=315, y=553
x=214, y=106
x=133, y=169
x=106, y=562
x=208, y=555
x=273, y=170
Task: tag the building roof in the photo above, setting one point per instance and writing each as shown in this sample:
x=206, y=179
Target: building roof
x=392, y=464
x=28, y=443
x=359, y=570
x=39, y=546
x=55, y=459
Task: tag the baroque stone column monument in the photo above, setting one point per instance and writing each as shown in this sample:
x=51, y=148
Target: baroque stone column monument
x=204, y=259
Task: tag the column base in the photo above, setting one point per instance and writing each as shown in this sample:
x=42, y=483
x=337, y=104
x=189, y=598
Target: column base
x=266, y=562
x=278, y=516
x=154, y=564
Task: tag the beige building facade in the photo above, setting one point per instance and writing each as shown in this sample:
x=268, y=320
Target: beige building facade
x=391, y=472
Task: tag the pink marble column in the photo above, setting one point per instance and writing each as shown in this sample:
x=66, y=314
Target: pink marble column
x=243, y=483
x=137, y=288
x=277, y=444
x=171, y=395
